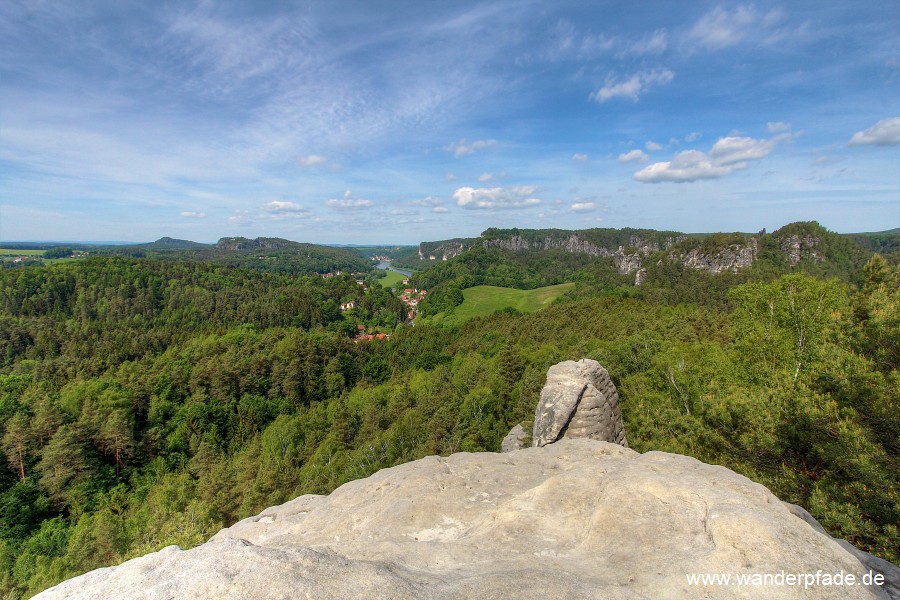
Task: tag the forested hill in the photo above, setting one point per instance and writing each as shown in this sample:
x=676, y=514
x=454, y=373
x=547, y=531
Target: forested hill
x=654, y=264
x=796, y=241
x=262, y=254
x=145, y=403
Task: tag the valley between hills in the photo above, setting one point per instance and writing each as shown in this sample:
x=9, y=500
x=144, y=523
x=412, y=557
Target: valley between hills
x=153, y=394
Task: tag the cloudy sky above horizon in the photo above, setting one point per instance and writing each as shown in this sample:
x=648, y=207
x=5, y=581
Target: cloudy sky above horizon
x=398, y=122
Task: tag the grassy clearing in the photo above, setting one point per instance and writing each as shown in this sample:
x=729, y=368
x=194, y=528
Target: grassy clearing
x=391, y=279
x=17, y=252
x=483, y=300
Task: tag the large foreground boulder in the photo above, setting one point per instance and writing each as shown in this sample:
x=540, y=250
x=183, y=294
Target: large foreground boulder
x=575, y=519
x=579, y=400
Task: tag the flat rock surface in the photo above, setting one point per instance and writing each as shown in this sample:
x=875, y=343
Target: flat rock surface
x=574, y=519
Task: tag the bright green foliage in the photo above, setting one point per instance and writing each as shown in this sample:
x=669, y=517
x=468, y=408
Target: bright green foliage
x=157, y=402
x=779, y=326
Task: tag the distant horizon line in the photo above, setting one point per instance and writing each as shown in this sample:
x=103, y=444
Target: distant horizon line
x=374, y=244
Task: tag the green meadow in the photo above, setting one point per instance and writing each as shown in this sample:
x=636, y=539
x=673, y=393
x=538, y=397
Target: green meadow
x=483, y=300
x=18, y=252
x=391, y=279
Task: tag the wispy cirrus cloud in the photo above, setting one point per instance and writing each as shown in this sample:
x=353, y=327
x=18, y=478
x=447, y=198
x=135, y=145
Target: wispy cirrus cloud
x=190, y=214
x=579, y=157
x=632, y=87
x=496, y=197
x=885, y=132
x=725, y=27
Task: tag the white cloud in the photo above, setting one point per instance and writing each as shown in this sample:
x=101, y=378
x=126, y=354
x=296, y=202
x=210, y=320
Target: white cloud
x=440, y=209
x=689, y=165
x=577, y=157
x=461, y=148
x=496, y=197
x=313, y=160
x=652, y=43
x=634, y=86
x=778, y=127
x=193, y=215
x=450, y=176
x=427, y=201
x=653, y=146
x=727, y=155
x=278, y=206
x=485, y=177
x=240, y=218
x=883, y=133
x=633, y=156
x=348, y=202
x=732, y=150
x=583, y=206
x=693, y=136
x=721, y=28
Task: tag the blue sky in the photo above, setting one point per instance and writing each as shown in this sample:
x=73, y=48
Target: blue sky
x=398, y=122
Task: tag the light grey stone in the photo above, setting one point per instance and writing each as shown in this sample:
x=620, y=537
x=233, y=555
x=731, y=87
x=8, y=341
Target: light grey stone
x=575, y=519
x=889, y=571
x=579, y=400
x=516, y=439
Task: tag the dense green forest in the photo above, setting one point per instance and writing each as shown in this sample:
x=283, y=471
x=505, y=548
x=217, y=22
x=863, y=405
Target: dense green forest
x=261, y=254
x=145, y=403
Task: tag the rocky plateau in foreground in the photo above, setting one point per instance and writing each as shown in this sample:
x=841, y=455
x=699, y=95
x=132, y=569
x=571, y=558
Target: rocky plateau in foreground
x=575, y=518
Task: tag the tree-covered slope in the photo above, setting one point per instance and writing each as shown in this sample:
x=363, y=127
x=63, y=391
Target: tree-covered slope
x=146, y=403
x=263, y=254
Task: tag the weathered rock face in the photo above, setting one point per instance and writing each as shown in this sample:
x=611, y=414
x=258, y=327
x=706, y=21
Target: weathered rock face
x=626, y=261
x=579, y=400
x=798, y=247
x=443, y=250
x=516, y=439
x=733, y=258
x=575, y=519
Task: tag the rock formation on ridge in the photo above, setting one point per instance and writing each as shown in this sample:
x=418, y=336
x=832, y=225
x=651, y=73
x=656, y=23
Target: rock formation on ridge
x=579, y=400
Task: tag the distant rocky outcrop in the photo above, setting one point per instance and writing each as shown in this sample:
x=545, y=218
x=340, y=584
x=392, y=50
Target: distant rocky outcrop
x=264, y=243
x=579, y=400
x=799, y=247
x=444, y=250
x=569, y=518
x=732, y=258
x=627, y=260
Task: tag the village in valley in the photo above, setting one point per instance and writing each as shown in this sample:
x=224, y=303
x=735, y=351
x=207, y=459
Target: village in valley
x=410, y=296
